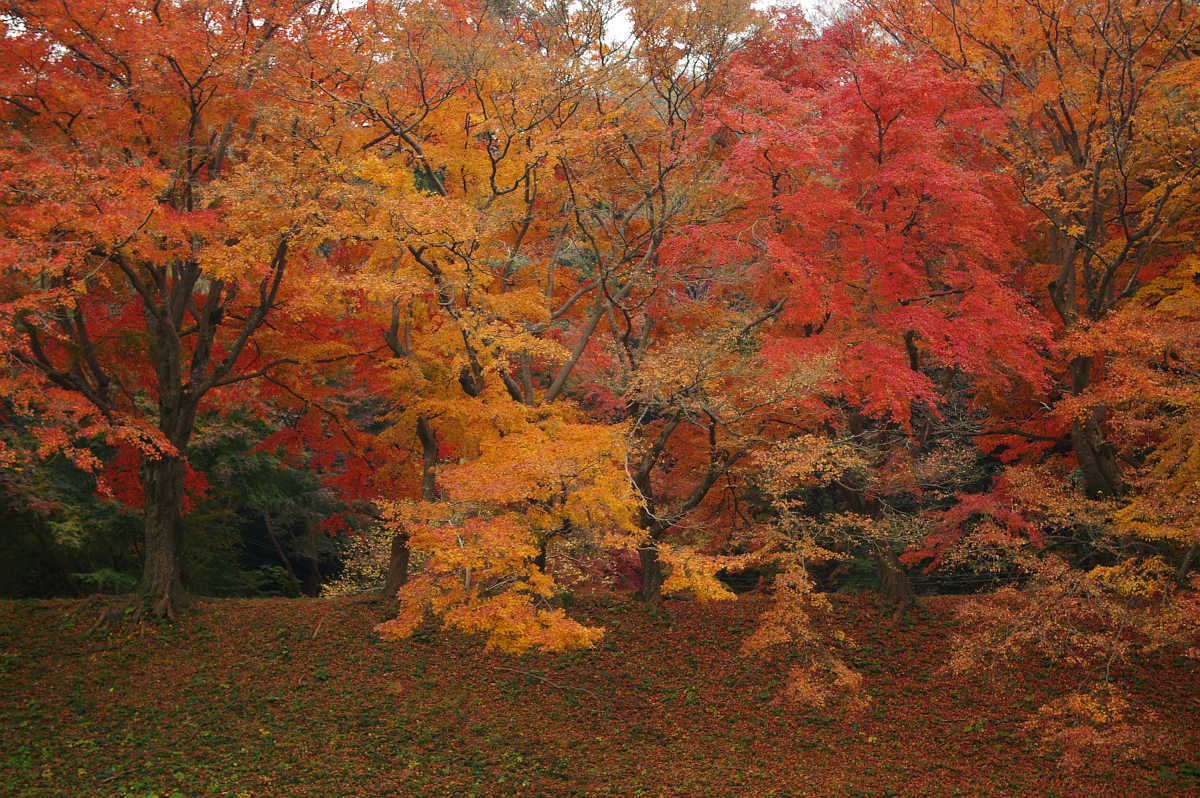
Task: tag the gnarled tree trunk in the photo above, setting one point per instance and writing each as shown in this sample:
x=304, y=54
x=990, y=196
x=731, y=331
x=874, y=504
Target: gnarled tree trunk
x=894, y=584
x=1097, y=463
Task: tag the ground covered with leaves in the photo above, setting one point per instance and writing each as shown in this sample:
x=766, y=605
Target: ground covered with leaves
x=298, y=697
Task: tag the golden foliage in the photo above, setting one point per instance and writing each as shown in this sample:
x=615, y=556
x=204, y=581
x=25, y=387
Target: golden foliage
x=696, y=573
x=787, y=630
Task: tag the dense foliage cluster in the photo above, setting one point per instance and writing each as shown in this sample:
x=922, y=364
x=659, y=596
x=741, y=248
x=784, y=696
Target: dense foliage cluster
x=547, y=295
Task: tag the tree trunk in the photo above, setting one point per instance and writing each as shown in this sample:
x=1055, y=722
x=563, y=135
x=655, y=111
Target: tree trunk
x=1185, y=564
x=1097, y=464
x=652, y=575
x=893, y=581
x=1097, y=461
x=397, y=575
x=161, y=582
x=894, y=585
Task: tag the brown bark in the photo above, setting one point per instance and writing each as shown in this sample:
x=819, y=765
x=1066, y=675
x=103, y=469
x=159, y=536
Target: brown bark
x=397, y=575
x=1097, y=463
x=652, y=575
x=165, y=475
x=1096, y=458
x=539, y=561
x=161, y=582
x=894, y=584
x=1185, y=564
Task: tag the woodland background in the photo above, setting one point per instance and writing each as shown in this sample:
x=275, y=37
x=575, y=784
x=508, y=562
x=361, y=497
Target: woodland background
x=490, y=307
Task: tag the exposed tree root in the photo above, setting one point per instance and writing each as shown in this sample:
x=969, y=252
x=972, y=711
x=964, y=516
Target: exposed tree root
x=169, y=605
x=901, y=609
x=130, y=611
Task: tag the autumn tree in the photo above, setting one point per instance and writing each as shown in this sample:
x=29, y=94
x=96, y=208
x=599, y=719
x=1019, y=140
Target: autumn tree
x=157, y=209
x=1095, y=95
x=1153, y=393
x=1100, y=113
x=658, y=341
x=544, y=235
x=456, y=118
x=877, y=221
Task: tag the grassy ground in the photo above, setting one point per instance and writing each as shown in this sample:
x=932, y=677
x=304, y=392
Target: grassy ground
x=297, y=697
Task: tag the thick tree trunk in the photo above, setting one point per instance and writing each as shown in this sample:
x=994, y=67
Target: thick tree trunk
x=1185, y=564
x=894, y=585
x=652, y=575
x=1097, y=461
x=161, y=582
x=397, y=575
x=1097, y=464
x=893, y=581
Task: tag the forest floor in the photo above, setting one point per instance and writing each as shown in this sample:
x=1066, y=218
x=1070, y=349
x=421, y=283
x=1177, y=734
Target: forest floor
x=298, y=697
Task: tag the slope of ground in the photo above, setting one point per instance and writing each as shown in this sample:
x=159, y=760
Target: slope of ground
x=297, y=697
